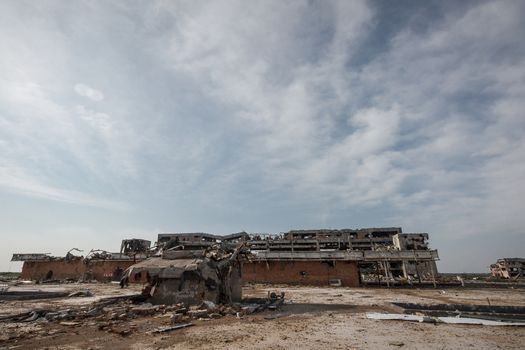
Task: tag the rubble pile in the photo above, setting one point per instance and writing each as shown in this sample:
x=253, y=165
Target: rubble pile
x=191, y=276
x=114, y=314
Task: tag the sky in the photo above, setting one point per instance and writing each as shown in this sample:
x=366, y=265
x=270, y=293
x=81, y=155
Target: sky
x=124, y=119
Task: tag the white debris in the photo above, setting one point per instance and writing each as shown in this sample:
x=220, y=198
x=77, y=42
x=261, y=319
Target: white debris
x=449, y=320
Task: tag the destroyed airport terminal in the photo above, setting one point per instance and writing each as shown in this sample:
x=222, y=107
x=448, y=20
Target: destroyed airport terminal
x=345, y=257
x=311, y=281
x=510, y=268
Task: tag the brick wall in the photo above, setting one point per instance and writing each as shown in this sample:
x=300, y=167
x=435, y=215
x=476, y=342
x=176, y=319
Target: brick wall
x=37, y=270
x=301, y=272
x=102, y=270
x=286, y=272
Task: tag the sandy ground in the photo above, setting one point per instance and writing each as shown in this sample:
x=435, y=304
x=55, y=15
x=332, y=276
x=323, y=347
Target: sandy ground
x=313, y=318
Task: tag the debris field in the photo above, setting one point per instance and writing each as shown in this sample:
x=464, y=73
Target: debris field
x=100, y=316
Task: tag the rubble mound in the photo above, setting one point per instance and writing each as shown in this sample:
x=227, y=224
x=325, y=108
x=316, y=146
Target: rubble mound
x=191, y=276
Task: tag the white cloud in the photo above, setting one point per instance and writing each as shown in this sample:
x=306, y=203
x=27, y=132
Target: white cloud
x=298, y=102
x=420, y=113
x=89, y=92
x=17, y=181
x=43, y=142
x=284, y=92
x=99, y=121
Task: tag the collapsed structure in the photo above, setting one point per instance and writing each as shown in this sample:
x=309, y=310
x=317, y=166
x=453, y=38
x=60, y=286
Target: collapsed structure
x=97, y=265
x=508, y=268
x=191, y=276
x=345, y=257
x=375, y=254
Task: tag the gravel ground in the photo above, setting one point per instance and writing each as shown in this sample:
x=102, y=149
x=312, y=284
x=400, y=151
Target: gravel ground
x=313, y=318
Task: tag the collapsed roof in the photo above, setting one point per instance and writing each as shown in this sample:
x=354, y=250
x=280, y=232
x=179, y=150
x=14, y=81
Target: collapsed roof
x=191, y=276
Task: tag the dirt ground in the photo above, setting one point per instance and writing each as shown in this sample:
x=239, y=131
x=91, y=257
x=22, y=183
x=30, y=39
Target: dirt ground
x=312, y=318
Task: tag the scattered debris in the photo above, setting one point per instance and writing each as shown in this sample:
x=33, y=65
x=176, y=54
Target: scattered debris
x=125, y=307
x=172, y=328
x=119, y=321
x=176, y=318
x=274, y=316
x=28, y=294
x=336, y=282
x=450, y=320
x=399, y=317
x=492, y=312
x=275, y=301
x=134, y=298
x=396, y=343
x=81, y=293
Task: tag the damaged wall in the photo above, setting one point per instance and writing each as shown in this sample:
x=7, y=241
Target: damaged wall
x=508, y=268
x=316, y=273
x=293, y=257
x=101, y=270
x=40, y=270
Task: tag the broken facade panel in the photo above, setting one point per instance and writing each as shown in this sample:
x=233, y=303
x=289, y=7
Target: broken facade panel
x=186, y=237
x=135, y=246
x=508, y=268
x=410, y=241
x=31, y=257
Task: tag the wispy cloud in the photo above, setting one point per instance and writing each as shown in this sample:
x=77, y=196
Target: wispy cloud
x=16, y=181
x=314, y=113
x=414, y=133
x=89, y=92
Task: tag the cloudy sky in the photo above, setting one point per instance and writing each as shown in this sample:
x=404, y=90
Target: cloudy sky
x=123, y=119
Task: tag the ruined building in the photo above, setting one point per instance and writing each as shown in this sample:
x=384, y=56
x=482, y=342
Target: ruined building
x=508, y=268
x=191, y=276
x=97, y=265
x=346, y=257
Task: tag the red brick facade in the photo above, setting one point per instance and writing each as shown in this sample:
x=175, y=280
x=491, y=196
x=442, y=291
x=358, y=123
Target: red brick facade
x=101, y=270
x=301, y=272
x=286, y=272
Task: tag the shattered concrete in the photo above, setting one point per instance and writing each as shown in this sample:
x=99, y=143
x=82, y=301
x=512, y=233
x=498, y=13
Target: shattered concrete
x=508, y=268
x=191, y=276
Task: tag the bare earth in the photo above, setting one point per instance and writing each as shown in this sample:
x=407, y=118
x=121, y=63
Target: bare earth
x=312, y=318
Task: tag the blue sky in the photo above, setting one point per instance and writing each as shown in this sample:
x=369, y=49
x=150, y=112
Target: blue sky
x=123, y=119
